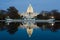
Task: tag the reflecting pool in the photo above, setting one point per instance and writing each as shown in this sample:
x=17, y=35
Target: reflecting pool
x=17, y=31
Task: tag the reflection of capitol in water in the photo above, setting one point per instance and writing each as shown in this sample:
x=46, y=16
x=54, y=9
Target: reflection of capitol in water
x=29, y=31
x=13, y=27
x=29, y=22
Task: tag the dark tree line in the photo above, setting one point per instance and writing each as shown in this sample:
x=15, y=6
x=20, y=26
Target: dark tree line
x=12, y=12
x=49, y=14
x=3, y=14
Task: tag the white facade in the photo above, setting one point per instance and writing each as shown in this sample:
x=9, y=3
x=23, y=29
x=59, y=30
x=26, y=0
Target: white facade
x=30, y=12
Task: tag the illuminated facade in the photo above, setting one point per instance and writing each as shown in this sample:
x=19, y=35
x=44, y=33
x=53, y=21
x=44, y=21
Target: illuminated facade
x=30, y=12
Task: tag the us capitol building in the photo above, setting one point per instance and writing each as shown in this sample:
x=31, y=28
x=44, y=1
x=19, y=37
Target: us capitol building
x=30, y=12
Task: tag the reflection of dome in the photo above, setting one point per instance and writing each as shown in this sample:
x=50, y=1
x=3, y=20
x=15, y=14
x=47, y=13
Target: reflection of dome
x=29, y=31
x=30, y=9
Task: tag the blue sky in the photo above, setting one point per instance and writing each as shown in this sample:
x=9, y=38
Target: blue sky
x=38, y=5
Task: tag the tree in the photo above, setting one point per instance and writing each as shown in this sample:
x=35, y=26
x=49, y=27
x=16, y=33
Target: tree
x=56, y=14
x=13, y=13
x=43, y=15
x=3, y=14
